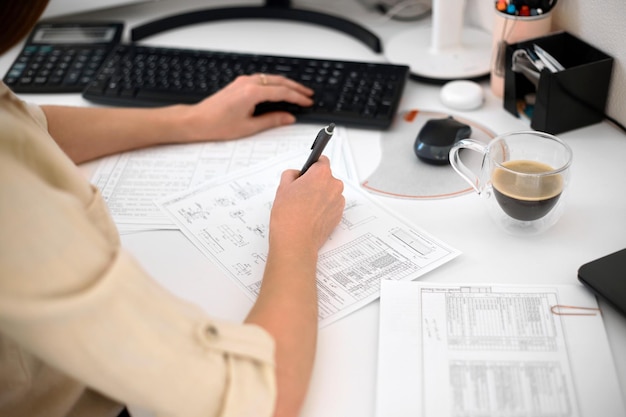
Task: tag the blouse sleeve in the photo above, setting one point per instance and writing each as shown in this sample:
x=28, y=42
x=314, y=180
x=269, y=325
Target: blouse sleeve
x=84, y=306
x=37, y=114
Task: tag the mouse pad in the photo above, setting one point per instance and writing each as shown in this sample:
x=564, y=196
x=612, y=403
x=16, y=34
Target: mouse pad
x=401, y=174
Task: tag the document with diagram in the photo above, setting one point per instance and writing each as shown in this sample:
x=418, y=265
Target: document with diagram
x=131, y=181
x=228, y=220
x=493, y=350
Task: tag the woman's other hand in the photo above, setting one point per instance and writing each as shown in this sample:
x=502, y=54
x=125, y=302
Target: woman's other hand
x=229, y=113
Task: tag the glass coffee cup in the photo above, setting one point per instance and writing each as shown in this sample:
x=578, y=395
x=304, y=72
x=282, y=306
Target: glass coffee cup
x=522, y=178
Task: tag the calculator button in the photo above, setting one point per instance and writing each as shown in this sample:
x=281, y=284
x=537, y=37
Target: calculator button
x=19, y=66
x=29, y=50
x=71, y=78
x=14, y=73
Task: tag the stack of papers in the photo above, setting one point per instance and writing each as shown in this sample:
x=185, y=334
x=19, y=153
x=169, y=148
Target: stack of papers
x=220, y=196
x=228, y=220
x=131, y=182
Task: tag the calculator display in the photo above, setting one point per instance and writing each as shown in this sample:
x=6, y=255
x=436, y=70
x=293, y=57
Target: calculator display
x=83, y=35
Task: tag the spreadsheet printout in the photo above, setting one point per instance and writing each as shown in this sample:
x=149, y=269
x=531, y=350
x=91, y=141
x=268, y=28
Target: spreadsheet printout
x=228, y=220
x=493, y=350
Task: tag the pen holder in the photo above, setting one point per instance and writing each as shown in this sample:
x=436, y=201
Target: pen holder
x=510, y=29
x=564, y=100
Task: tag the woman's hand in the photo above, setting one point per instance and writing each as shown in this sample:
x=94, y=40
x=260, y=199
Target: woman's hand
x=306, y=209
x=228, y=114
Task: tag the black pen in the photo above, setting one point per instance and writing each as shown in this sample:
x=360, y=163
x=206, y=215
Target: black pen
x=320, y=142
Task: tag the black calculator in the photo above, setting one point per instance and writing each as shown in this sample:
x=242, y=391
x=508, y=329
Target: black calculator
x=62, y=57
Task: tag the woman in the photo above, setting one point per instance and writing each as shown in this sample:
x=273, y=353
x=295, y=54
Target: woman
x=83, y=328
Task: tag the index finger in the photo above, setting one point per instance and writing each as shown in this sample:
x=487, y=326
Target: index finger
x=324, y=160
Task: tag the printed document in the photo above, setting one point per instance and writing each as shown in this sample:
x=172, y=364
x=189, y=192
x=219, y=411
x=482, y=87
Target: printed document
x=131, y=181
x=493, y=350
x=228, y=220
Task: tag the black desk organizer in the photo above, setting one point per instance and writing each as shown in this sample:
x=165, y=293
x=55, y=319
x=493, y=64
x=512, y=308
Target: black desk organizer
x=567, y=99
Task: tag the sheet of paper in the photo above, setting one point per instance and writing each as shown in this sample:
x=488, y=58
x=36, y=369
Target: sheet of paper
x=131, y=181
x=493, y=350
x=228, y=218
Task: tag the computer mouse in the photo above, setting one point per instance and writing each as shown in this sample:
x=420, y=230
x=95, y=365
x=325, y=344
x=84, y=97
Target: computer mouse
x=437, y=136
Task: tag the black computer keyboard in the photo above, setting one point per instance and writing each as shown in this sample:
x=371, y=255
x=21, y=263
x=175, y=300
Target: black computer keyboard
x=350, y=93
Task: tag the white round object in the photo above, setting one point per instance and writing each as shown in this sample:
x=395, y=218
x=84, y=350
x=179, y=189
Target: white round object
x=462, y=95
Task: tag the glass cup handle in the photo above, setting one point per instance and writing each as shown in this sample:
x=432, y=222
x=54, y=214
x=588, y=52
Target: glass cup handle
x=458, y=165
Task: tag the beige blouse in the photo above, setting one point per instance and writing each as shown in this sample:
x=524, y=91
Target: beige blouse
x=83, y=328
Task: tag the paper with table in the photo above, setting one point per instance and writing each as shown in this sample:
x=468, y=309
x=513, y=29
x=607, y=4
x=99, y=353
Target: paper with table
x=493, y=350
x=228, y=218
x=131, y=181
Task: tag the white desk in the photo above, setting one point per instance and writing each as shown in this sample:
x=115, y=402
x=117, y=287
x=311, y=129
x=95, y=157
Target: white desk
x=344, y=378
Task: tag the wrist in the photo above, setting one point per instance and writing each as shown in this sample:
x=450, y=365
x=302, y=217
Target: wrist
x=179, y=123
x=175, y=124
x=303, y=253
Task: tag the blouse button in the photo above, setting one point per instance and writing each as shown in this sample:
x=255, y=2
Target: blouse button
x=211, y=332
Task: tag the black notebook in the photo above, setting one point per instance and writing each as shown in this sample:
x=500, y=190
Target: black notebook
x=606, y=277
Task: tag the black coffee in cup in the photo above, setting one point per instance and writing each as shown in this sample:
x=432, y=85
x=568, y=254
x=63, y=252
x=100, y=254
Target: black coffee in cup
x=525, y=190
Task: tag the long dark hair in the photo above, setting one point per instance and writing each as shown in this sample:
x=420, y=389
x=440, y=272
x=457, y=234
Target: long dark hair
x=17, y=18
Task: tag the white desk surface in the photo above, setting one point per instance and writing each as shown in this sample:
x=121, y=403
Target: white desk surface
x=344, y=378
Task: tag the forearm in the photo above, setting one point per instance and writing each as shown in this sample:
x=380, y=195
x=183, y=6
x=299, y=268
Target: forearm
x=287, y=309
x=86, y=133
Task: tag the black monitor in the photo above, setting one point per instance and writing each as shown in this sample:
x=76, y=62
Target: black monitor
x=271, y=9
